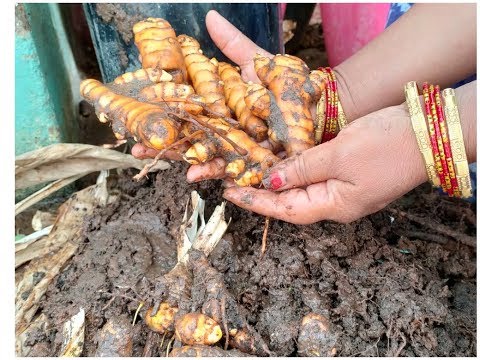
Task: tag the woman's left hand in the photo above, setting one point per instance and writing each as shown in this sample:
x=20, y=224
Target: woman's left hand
x=371, y=162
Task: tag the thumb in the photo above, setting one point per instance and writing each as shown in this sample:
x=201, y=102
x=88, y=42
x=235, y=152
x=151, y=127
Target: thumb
x=310, y=167
x=236, y=46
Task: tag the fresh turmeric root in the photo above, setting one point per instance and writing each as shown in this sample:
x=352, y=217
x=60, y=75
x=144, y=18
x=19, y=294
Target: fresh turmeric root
x=204, y=75
x=163, y=114
x=235, y=90
x=147, y=123
x=285, y=105
x=221, y=306
x=158, y=46
x=246, y=164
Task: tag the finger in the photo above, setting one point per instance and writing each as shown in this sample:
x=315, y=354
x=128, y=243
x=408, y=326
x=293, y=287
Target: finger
x=236, y=46
x=140, y=151
x=311, y=166
x=214, y=169
x=298, y=206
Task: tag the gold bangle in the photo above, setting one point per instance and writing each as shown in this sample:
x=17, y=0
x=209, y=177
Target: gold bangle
x=421, y=132
x=342, y=119
x=320, y=118
x=457, y=144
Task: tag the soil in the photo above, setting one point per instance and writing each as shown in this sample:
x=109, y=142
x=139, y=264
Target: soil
x=384, y=293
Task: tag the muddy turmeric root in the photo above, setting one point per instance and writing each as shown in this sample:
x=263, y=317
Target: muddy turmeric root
x=197, y=329
x=158, y=46
x=163, y=320
x=149, y=75
x=131, y=83
x=235, y=90
x=203, y=73
x=147, y=123
x=221, y=305
x=292, y=90
x=204, y=351
x=246, y=160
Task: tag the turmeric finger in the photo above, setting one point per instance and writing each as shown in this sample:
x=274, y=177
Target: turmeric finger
x=204, y=75
x=235, y=90
x=158, y=46
x=149, y=74
x=246, y=169
x=292, y=91
x=147, y=123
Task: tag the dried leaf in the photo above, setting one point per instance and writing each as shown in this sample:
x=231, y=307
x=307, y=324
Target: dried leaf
x=68, y=223
x=60, y=161
x=21, y=348
x=34, y=283
x=44, y=192
x=73, y=335
x=42, y=219
x=26, y=241
x=212, y=233
x=202, y=237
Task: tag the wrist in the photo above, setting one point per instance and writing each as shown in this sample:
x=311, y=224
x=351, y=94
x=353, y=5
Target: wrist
x=346, y=98
x=411, y=152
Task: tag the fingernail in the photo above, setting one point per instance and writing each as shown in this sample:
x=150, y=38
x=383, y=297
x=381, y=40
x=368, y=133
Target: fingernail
x=274, y=181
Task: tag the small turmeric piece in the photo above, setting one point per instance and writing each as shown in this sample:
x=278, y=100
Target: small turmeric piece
x=163, y=320
x=235, y=90
x=204, y=75
x=197, y=329
x=147, y=123
x=158, y=46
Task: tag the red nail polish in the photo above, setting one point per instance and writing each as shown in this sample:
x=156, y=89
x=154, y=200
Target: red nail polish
x=275, y=181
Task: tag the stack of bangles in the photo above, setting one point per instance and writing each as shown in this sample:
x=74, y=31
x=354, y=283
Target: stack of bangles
x=330, y=117
x=440, y=138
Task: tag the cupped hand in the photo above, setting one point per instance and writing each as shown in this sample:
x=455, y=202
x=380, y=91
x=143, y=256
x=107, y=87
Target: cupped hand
x=372, y=162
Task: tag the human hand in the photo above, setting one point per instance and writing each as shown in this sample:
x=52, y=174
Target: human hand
x=234, y=45
x=371, y=162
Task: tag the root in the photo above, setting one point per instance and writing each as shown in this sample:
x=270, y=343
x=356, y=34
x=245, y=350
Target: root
x=264, y=237
x=440, y=228
x=147, y=167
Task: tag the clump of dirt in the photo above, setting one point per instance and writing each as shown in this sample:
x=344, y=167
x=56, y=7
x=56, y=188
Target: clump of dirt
x=122, y=21
x=384, y=293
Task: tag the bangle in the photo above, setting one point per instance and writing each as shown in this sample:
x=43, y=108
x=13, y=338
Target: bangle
x=459, y=155
x=446, y=185
x=433, y=139
x=446, y=143
x=333, y=116
x=420, y=129
x=320, y=118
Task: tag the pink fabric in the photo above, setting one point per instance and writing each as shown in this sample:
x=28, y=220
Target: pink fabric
x=283, y=8
x=348, y=27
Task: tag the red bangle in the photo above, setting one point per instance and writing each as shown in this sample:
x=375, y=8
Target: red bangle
x=433, y=139
x=446, y=143
x=331, y=114
x=438, y=136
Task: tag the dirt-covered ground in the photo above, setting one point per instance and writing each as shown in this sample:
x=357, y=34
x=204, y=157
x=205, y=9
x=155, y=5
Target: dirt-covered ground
x=387, y=285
